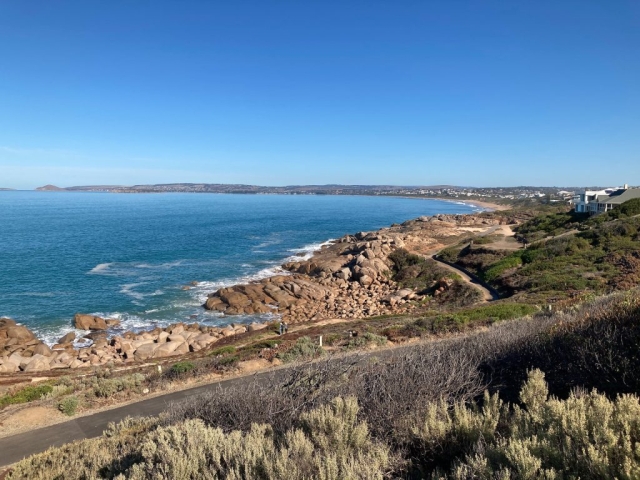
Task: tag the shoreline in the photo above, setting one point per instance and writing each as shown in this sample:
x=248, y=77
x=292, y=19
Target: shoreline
x=346, y=278
x=477, y=203
x=485, y=206
x=50, y=335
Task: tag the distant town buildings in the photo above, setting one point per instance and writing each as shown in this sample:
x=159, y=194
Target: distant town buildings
x=600, y=201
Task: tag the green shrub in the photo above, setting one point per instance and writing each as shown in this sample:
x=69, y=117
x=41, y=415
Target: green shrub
x=483, y=240
x=331, y=444
x=68, y=405
x=26, y=394
x=303, y=349
x=228, y=361
x=182, y=368
x=106, y=387
x=58, y=391
x=586, y=436
x=331, y=339
x=512, y=261
x=449, y=254
x=366, y=339
x=222, y=350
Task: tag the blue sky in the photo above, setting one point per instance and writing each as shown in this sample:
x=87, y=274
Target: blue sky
x=354, y=92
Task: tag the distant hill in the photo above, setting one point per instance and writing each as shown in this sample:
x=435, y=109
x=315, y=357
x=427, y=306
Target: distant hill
x=50, y=188
x=6, y=189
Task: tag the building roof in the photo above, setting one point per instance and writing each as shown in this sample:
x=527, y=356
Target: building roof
x=620, y=196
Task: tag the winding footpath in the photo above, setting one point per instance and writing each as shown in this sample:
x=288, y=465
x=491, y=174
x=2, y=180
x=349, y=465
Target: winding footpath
x=489, y=293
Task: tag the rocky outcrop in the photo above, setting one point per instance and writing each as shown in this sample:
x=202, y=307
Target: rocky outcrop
x=348, y=278
x=31, y=355
x=319, y=287
x=89, y=322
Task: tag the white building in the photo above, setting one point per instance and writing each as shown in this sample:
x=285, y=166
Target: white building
x=594, y=202
x=586, y=202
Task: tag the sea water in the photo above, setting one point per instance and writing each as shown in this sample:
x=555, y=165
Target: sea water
x=131, y=256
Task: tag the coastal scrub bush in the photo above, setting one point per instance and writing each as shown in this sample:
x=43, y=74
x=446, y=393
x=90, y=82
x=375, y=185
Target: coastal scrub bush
x=103, y=457
x=331, y=443
x=332, y=339
x=449, y=254
x=26, y=394
x=106, y=387
x=304, y=349
x=222, y=350
x=593, y=346
x=550, y=224
x=512, y=261
x=366, y=339
x=58, y=391
x=586, y=436
x=224, y=363
x=182, y=368
x=416, y=272
x=483, y=240
x=68, y=405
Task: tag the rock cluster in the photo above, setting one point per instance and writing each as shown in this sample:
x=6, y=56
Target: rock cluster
x=348, y=278
x=21, y=351
x=91, y=322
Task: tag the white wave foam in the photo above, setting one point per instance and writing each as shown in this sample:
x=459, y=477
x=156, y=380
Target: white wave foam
x=307, y=251
x=120, y=269
x=162, y=266
x=100, y=268
x=127, y=289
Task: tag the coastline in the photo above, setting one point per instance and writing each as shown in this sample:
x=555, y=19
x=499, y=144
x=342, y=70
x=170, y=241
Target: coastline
x=345, y=279
x=485, y=206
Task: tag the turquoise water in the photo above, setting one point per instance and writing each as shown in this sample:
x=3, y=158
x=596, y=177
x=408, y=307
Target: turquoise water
x=128, y=256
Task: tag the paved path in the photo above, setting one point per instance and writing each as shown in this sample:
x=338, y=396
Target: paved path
x=17, y=447
x=488, y=294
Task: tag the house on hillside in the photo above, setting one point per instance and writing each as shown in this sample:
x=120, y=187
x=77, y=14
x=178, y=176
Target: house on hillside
x=594, y=202
x=583, y=200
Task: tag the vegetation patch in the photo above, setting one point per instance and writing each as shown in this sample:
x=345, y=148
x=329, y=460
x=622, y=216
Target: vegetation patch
x=68, y=405
x=600, y=255
x=227, y=349
x=365, y=339
x=106, y=387
x=26, y=394
x=304, y=349
x=459, y=321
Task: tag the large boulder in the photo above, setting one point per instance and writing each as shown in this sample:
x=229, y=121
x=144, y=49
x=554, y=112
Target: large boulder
x=145, y=351
x=68, y=338
x=37, y=363
x=213, y=303
x=8, y=367
x=168, y=349
x=89, y=322
x=234, y=299
x=43, y=350
x=6, y=323
x=20, y=333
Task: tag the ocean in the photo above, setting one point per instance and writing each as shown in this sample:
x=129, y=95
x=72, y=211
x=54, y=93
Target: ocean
x=130, y=256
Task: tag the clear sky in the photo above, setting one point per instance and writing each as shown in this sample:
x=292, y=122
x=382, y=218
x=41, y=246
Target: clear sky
x=478, y=93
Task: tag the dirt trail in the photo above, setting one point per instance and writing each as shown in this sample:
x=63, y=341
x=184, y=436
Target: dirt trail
x=488, y=294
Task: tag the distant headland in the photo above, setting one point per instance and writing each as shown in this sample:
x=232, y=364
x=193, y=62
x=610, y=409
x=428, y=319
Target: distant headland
x=50, y=188
x=494, y=195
